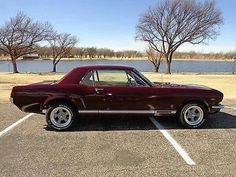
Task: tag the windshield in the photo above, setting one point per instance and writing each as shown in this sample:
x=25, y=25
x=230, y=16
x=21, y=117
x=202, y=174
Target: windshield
x=144, y=78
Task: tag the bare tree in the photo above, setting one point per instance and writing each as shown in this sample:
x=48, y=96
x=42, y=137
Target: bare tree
x=2, y=53
x=61, y=45
x=104, y=52
x=131, y=54
x=92, y=51
x=100, y=52
x=44, y=52
x=154, y=57
x=119, y=54
x=109, y=53
x=79, y=52
x=175, y=22
x=19, y=36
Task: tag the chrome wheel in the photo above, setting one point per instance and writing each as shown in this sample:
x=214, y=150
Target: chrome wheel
x=60, y=117
x=193, y=115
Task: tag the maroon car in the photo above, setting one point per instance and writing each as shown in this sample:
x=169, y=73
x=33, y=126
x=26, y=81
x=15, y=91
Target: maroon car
x=115, y=90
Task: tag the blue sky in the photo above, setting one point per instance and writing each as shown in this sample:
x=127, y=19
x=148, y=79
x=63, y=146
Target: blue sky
x=111, y=23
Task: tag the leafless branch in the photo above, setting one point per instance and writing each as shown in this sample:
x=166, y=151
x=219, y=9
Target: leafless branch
x=19, y=36
x=154, y=57
x=61, y=45
x=175, y=22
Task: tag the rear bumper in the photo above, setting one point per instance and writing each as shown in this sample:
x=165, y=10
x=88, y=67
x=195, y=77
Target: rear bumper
x=11, y=100
x=32, y=107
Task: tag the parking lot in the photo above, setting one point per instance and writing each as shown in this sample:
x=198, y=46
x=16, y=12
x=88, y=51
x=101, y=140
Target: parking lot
x=117, y=146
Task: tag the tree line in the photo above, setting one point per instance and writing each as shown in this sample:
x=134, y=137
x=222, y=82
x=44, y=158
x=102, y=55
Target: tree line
x=91, y=53
x=45, y=52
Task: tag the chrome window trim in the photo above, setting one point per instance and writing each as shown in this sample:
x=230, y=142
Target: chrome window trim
x=133, y=75
x=85, y=75
x=150, y=83
x=131, y=72
x=98, y=76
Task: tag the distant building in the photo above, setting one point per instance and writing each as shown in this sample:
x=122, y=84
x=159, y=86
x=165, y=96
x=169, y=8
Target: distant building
x=31, y=56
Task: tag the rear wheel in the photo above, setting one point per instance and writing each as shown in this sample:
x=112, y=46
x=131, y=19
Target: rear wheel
x=61, y=116
x=193, y=115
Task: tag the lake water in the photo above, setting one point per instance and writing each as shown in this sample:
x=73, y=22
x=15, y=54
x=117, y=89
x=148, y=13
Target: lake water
x=142, y=65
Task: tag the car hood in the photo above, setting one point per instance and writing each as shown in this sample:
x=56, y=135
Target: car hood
x=184, y=86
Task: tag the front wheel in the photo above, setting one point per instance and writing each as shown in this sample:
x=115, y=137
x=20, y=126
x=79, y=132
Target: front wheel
x=193, y=115
x=61, y=116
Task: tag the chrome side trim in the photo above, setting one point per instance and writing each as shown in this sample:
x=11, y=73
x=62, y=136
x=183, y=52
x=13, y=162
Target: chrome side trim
x=155, y=112
x=164, y=112
x=88, y=111
x=220, y=106
x=126, y=111
x=29, y=105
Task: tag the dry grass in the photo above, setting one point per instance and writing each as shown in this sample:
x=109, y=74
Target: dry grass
x=224, y=83
x=9, y=80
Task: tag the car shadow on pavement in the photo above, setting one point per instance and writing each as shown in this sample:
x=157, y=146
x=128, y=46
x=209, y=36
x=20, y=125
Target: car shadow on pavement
x=220, y=120
x=112, y=123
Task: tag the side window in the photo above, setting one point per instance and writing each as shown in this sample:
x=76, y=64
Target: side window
x=112, y=78
x=88, y=79
x=135, y=80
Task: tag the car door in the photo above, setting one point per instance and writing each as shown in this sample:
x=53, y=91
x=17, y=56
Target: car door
x=89, y=100
x=120, y=92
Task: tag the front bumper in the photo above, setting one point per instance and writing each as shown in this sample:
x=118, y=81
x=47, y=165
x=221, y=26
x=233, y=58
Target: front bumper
x=219, y=106
x=216, y=108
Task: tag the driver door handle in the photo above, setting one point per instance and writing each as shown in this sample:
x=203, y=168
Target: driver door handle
x=102, y=91
x=99, y=90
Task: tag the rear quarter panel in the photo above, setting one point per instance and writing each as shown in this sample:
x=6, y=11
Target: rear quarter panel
x=33, y=98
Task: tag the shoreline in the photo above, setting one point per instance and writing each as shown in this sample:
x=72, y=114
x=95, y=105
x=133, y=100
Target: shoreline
x=120, y=59
x=157, y=73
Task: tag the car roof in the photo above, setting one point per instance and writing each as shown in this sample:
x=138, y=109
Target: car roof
x=75, y=75
x=95, y=67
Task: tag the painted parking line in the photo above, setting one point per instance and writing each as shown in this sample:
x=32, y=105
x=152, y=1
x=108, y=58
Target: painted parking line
x=173, y=142
x=15, y=124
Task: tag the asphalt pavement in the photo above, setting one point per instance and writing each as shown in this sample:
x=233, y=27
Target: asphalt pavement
x=117, y=146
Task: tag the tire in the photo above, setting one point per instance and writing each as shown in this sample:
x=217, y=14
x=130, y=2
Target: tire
x=193, y=115
x=61, y=116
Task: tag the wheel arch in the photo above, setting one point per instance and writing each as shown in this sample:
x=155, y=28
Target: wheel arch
x=200, y=101
x=54, y=100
